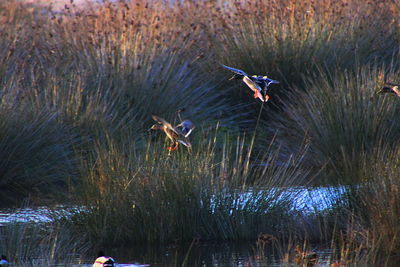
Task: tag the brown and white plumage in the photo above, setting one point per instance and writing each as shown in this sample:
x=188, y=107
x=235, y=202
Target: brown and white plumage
x=103, y=261
x=257, y=83
x=176, y=135
x=390, y=88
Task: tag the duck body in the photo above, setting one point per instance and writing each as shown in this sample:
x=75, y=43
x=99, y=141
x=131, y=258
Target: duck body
x=186, y=127
x=257, y=83
x=390, y=88
x=104, y=261
x=4, y=262
x=176, y=135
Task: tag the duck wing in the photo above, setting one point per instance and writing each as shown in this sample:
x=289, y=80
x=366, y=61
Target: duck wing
x=237, y=71
x=165, y=123
x=187, y=127
x=396, y=90
x=393, y=87
x=186, y=143
x=263, y=81
x=270, y=81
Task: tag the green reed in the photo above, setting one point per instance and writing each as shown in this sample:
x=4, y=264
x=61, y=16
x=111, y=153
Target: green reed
x=215, y=193
x=40, y=244
x=343, y=119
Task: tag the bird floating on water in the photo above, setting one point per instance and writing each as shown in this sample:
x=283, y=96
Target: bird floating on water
x=3, y=261
x=103, y=261
x=390, y=88
x=178, y=134
x=304, y=258
x=257, y=83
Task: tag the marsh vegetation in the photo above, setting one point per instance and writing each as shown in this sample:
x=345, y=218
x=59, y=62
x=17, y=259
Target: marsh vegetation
x=78, y=88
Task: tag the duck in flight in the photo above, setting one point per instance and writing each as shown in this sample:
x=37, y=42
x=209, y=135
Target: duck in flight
x=257, y=83
x=390, y=88
x=178, y=134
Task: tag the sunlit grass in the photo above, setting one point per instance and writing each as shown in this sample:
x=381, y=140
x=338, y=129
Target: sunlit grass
x=291, y=41
x=375, y=203
x=211, y=194
x=343, y=119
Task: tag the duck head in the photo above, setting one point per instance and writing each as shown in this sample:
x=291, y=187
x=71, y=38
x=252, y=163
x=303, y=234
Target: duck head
x=156, y=127
x=237, y=76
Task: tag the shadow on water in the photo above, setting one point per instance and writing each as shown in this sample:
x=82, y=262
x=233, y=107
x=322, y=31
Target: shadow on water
x=195, y=254
x=232, y=254
x=199, y=253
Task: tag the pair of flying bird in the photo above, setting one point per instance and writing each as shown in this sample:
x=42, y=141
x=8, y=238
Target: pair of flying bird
x=259, y=84
x=179, y=134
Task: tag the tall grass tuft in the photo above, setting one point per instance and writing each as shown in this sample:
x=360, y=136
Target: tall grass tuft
x=375, y=203
x=291, y=37
x=37, y=155
x=212, y=194
x=37, y=244
x=343, y=120
x=100, y=83
x=290, y=40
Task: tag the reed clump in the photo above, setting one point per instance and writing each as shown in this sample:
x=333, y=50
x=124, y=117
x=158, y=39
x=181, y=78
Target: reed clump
x=375, y=204
x=290, y=39
x=104, y=81
x=343, y=119
x=212, y=194
x=37, y=156
x=40, y=244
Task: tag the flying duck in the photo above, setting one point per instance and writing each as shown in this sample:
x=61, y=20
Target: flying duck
x=391, y=88
x=178, y=134
x=257, y=83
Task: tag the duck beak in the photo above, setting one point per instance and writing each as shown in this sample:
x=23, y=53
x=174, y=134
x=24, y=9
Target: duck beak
x=231, y=78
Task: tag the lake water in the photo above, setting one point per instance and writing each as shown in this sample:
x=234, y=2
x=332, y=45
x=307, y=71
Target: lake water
x=243, y=254
x=307, y=200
